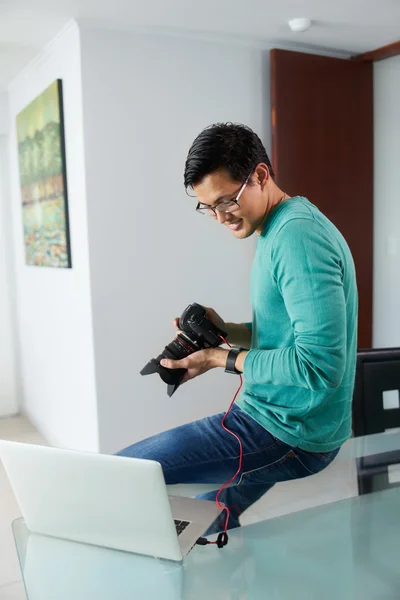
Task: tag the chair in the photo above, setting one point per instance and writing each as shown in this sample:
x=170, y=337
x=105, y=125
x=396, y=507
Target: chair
x=377, y=371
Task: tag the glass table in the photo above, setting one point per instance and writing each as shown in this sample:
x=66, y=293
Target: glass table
x=343, y=550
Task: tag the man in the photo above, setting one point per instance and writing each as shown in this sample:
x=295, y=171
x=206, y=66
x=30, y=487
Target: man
x=297, y=355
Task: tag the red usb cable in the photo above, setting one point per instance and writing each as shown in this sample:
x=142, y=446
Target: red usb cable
x=223, y=537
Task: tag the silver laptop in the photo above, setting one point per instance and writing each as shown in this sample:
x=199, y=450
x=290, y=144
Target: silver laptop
x=110, y=501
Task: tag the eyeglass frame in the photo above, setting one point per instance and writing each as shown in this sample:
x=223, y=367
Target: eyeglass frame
x=214, y=209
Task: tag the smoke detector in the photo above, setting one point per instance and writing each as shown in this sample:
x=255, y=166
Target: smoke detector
x=300, y=24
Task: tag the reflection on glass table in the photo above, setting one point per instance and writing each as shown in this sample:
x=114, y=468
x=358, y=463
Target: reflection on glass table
x=343, y=550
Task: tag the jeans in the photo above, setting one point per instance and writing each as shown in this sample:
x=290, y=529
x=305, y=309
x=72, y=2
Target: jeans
x=202, y=452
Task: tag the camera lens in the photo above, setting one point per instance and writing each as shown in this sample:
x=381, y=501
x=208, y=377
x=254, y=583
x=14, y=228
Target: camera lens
x=180, y=347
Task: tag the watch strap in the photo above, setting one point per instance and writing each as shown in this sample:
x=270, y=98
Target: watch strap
x=231, y=360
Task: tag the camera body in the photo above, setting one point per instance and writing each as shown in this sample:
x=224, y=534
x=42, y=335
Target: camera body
x=197, y=333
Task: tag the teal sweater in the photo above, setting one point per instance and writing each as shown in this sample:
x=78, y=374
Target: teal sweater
x=299, y=372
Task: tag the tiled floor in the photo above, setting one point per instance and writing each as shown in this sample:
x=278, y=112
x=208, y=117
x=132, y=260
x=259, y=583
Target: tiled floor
x=11, y=586
x=338, y=481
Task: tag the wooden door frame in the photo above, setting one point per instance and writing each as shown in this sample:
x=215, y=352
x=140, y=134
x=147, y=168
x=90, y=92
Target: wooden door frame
x=379, y=53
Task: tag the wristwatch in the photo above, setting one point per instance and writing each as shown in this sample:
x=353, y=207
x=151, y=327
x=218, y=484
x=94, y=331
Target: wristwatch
x=231, y=360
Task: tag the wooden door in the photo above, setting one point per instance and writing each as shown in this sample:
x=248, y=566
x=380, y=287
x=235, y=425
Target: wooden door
x=322, y=148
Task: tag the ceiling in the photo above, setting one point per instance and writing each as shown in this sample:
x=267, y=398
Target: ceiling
x=350, y=26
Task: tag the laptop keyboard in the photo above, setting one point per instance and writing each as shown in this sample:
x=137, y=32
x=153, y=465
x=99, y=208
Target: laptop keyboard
x=181, y=526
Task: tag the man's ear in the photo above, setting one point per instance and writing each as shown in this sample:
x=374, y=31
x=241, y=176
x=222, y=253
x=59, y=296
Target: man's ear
x=262, y=175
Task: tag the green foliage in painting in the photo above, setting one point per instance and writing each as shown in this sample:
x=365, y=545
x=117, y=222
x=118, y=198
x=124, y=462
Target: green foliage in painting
x=43, y=180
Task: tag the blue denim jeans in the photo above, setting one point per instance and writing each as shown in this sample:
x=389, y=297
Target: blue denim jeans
x=202, y=452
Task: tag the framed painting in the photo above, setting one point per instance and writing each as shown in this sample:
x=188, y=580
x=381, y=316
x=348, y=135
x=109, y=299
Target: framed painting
x=43, y=180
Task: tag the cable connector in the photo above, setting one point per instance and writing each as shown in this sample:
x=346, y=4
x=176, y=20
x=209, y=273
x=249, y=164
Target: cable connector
x=222, y=540
x=202, y=541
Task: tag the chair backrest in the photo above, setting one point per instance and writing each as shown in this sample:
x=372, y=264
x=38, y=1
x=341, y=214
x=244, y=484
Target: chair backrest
x=378, y=371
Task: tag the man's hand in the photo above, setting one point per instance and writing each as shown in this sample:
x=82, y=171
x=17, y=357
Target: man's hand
x=238, y=334
x=198, y=363
x=210, y=314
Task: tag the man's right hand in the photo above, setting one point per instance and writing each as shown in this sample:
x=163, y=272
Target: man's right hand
x=238, y=334
x=210, y=314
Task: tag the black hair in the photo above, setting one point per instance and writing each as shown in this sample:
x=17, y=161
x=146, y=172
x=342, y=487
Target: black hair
x=229, y=146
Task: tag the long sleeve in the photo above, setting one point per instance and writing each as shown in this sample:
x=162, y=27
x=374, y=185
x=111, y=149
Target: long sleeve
x=249, y=325
x=307, y=268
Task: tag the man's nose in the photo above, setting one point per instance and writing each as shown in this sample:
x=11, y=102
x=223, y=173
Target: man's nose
x=221, y=216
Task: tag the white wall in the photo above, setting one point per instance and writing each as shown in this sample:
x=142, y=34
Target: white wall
x=53, y=305
x=8, y=370
x=387, y=203
x=145, y=99
x=8, y=377
x=3, y=113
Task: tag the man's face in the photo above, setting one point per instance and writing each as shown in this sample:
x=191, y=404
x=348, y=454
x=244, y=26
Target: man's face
x=218, y=187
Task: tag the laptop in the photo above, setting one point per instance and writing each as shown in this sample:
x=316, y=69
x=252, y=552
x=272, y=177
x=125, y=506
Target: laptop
x=110, y=501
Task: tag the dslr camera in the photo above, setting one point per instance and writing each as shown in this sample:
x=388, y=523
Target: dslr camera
x=197, y=332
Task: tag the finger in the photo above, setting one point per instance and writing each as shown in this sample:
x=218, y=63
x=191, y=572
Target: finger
x=175, y=322
x=168, y=363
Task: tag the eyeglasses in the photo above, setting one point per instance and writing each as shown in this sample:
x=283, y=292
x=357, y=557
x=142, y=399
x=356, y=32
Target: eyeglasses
x=225, y=207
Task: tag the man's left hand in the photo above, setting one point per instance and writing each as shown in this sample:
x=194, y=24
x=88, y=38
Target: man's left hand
x=198, y=363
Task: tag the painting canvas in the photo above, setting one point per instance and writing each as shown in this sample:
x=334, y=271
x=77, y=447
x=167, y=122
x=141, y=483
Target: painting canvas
x=43, y=181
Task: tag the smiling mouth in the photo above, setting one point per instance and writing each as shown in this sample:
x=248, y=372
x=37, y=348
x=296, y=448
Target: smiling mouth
x=235, y=226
